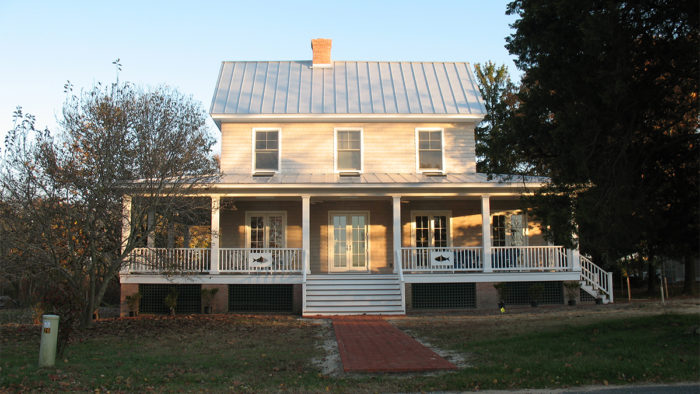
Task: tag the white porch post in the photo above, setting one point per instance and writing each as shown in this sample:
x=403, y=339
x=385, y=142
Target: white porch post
x=575, y=256
x=306, y=231
x=215, y=204
x=486, y=231
x=396, y=203
x=126, y=226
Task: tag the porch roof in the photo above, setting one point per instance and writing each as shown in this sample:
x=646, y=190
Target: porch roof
x=382, y=180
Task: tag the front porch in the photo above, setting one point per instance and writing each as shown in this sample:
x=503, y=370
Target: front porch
x=400, y=240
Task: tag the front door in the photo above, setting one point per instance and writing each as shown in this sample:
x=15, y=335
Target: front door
x=348, y=241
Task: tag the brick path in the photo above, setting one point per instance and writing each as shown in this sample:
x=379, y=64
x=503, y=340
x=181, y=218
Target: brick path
x=373, y=345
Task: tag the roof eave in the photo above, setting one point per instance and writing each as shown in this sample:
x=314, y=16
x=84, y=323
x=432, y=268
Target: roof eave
x=258, y=118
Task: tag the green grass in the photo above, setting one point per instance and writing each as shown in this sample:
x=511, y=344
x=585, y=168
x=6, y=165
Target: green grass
x=660, y=348
x=273, y=353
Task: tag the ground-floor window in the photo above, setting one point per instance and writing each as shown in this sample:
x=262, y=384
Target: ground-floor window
x=189, y=298
x=509, y=230
x=266, y=229
x=443, y=295
x=431, y=229
x=260, y=298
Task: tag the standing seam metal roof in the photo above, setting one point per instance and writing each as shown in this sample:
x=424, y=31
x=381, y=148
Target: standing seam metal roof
x=352, y=87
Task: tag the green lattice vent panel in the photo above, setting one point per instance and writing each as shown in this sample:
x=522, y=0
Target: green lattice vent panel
x=260, y=298
x=189, y=298
x=443, y=295
x=518, y=293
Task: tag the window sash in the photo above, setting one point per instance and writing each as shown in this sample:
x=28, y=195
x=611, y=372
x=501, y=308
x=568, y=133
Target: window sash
x=349, y=150
x=430, y=150
x=267, y=150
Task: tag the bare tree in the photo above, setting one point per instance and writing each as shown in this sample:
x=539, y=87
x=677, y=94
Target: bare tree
x=63, y=191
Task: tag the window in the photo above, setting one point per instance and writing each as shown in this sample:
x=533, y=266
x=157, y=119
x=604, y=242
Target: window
x=266, y=150
x=429, y=150
x=266, y=229
x=509, y=230
x=431, y=229
x=348, y=150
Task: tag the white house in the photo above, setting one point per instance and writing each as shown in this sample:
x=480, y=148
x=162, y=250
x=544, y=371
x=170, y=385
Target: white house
x=350, y=187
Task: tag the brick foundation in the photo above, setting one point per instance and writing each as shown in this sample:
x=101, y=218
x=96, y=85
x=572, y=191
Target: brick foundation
x=486, y=296
x=219, y=303
x=297, y=299
x=126, y=290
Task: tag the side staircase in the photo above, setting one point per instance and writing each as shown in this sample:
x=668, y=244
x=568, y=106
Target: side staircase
x=595, y=281
x=353, y=294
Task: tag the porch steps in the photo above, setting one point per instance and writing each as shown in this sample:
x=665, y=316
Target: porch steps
x=594, y=293
x=353, y=294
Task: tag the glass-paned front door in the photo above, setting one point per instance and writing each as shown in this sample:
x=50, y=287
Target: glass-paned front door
x=348, y=242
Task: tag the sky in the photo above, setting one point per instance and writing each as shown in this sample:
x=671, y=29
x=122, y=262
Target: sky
x=182, y=43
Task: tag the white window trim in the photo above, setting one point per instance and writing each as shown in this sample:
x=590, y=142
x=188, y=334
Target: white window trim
x=248, y=214
x=279, y=150
x=442, y=149
x=431, y=213
x=368, y=248
x=335, y=150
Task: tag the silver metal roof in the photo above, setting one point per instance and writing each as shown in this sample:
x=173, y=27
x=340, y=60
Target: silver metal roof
x=352, y=87
x=374, y=179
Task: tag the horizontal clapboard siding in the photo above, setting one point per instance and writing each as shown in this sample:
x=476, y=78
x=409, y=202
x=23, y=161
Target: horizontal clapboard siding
x=307, y=148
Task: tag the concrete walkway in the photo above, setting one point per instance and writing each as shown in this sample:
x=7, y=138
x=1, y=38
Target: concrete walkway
x=370, y=344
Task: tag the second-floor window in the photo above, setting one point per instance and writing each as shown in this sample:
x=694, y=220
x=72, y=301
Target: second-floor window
x=266, y=155
x=348, y=150
x=429, y=150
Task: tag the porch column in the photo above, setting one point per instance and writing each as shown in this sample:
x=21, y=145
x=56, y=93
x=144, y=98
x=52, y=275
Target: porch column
x=396, y=203
x=306, y=231
x=215, y=204
x=486, y=231
x=151, y=237
x=126, y=227
x=575, y=263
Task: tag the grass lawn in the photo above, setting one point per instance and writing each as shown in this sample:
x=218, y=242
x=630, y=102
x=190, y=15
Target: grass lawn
x=273, y=353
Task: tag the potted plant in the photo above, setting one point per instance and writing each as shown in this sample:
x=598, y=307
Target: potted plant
x=502, y=293
x=535, y=292
x=133, y=301
x=207, y=297
x=572, y=290
x=171, y=301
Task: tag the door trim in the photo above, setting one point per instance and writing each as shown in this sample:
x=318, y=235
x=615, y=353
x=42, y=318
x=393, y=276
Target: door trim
x=330, y=241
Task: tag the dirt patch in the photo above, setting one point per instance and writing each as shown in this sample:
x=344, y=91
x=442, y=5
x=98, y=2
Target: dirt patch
x=330, y=363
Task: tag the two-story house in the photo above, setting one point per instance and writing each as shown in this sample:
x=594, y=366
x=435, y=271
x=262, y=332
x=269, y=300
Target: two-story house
x=350, y=187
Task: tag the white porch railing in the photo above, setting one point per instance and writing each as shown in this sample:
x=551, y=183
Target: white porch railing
x=597, y=278
x=450, y=259
x=186, y=260
x=529, y=258
x=248, y=260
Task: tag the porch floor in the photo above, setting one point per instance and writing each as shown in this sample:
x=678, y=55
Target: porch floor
x=370, y=344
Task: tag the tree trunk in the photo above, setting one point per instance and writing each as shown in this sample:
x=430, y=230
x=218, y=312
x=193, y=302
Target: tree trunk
x=690, y=287
x=651, y=278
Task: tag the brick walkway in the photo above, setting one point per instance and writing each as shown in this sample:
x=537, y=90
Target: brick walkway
x=373, y=345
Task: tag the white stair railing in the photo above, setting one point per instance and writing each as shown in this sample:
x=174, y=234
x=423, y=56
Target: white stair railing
x=597, y=278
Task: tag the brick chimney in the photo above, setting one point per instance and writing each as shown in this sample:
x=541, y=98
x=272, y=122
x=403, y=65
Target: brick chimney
x=322, y=52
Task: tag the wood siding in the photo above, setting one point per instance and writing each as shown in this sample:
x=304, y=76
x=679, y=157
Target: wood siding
x=308, y=147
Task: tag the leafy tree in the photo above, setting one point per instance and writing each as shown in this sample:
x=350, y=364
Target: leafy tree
x=64, y=190
x=494, y=152
x=609, y=111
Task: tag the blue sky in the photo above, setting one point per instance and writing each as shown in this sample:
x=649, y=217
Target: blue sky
x=182, y=43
